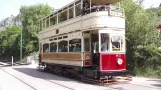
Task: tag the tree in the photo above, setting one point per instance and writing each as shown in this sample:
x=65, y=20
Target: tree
x=30, y=16
x=10, y=38
x=140, y=31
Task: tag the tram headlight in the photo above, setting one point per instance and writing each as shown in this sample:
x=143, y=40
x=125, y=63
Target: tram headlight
x=119, y=61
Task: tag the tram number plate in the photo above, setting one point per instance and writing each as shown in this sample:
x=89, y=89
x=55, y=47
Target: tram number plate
x=115, y=13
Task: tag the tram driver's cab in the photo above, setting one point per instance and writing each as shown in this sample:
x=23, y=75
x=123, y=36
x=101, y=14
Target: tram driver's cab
x=107, y=49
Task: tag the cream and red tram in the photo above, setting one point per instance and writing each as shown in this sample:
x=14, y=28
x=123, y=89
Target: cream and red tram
x=87, y=40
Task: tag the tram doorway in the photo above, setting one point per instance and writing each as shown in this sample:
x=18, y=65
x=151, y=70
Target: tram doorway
x=95, y=47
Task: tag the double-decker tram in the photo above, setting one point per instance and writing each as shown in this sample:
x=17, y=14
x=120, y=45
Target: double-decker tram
x=85, y=39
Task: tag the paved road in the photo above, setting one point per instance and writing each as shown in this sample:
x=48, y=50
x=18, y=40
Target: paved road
x=28, y=78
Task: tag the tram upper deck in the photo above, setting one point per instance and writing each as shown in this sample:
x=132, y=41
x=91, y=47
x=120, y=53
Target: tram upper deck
x=82, y=15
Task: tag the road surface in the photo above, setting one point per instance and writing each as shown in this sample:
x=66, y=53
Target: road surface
x=29, y=78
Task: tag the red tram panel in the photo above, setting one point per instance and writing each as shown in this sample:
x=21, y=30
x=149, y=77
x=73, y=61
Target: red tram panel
x=112, y=62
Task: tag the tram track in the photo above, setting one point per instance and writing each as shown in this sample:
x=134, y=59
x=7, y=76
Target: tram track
x=18, y=79
x=61, y=85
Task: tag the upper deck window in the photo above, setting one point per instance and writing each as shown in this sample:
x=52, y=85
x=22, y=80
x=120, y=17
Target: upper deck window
x=44, y=23
x=47, y=22
x=71, y=12
x=62, y=16
x=79, y=1
x=53, y=20
x=71, y=5
x=78, y=9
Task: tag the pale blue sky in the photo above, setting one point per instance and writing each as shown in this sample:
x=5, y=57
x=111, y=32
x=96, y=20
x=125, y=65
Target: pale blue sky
x=11, y=7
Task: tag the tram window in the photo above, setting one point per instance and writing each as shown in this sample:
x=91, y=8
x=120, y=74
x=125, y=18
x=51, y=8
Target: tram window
x=44, y=23
x=63, y=46
x=104, y=42
x=71, y=5
x=46, y=48
x=86, y=44
x=116, y=43
x=63, y=16
x=53, y=20
x=75, y=45
x=71, y=12
x=65, y=37
x=47, y=23
x=50, y=39
x=53, y=47
x=55, y=38
x=78, y=10
x=77, y=2
x=59, y=38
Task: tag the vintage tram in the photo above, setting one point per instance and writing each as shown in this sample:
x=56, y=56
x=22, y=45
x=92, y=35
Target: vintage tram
x=85, y=38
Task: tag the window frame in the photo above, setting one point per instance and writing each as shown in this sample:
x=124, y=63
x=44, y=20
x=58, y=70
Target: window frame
x=100, y=42
x=54, y=16
x=80, y=45
x=122, y=46
x=56, y=46
x=48, y=47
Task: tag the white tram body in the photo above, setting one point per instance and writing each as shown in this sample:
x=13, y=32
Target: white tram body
x=68, y=26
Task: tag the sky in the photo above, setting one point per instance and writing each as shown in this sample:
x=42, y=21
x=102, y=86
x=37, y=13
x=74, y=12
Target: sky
x=11, y=7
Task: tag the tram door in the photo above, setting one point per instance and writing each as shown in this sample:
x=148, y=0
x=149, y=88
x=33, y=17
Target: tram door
x=91, y=45
x=95, y=47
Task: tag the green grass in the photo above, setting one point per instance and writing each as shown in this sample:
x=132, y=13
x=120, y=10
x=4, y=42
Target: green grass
x=149, y=72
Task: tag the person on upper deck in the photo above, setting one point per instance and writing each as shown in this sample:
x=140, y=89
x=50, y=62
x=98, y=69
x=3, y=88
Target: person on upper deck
x=86, y=6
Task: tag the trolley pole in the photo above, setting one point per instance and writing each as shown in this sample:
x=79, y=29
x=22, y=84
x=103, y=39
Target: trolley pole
x=20, y=24
x=21, y=46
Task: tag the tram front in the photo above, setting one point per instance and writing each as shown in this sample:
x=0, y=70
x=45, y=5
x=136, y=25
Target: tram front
x=112, y=55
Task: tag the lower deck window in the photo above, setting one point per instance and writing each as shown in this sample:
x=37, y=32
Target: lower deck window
x=63, y=46
x=75, y=45
x=53, y=47
x=46, y=48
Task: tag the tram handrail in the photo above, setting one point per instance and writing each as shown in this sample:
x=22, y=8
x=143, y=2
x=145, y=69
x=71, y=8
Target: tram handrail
x=111, y=10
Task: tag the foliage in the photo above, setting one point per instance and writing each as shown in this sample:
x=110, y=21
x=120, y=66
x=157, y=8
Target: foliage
x=30, y=16
x=10, y=38
x=142, y=37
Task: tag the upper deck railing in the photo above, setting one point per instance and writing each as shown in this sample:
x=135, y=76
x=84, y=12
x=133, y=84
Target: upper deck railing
x=76, y=10
x=112, y=10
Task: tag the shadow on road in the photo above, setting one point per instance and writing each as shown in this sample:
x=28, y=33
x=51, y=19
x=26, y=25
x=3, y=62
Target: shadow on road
x=158, y=82
x=39, y=74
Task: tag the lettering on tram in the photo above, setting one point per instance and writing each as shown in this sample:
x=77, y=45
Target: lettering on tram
x=85, y=37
